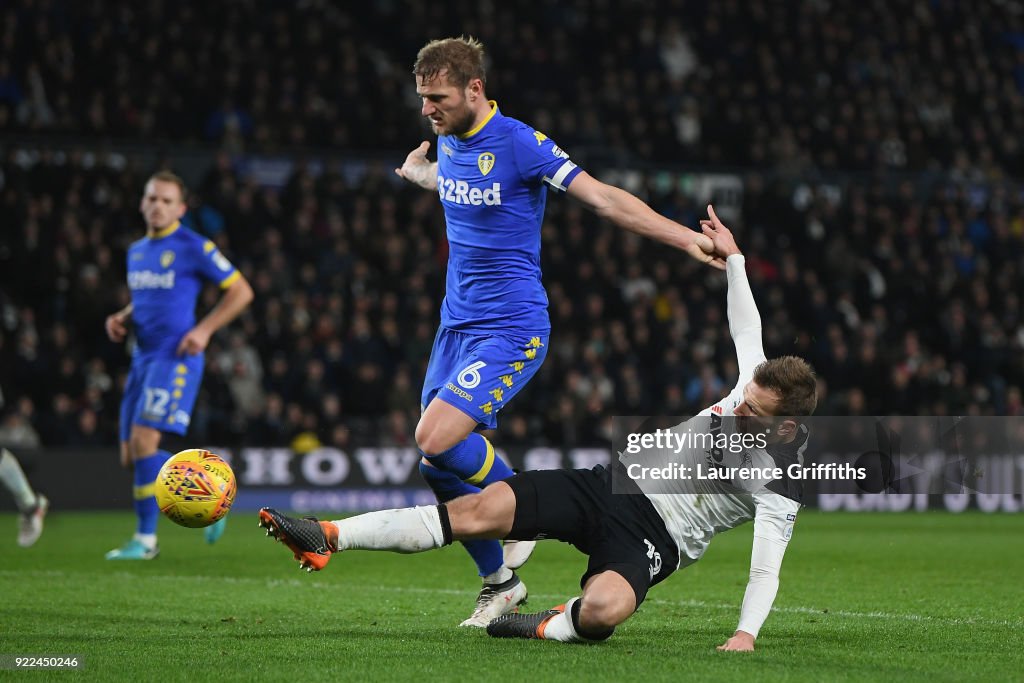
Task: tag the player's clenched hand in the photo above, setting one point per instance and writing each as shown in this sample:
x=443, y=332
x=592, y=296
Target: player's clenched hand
x=416, y=168
x=194, y=342
x=117, y=327
x=703, y=249
x=740, y=642
x=721, y=236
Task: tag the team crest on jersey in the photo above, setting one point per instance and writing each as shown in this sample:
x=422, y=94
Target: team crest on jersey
x=166, y=258
x=486, y=162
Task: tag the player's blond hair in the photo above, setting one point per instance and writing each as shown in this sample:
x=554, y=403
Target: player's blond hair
x=792, y=378
x=462, y=58
x=166, y=176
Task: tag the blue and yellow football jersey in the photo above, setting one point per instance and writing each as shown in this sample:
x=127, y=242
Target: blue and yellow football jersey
x=165, y=275
x=493, y=185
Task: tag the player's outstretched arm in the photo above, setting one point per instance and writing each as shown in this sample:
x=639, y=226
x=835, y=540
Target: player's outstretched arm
x=630, y=213
x=116, y=324
x=762, y=587
x=773, y=526
x=741, y=309
x=232, y=302
x=418, y=169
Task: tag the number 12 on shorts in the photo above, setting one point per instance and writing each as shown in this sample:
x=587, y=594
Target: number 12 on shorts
x=156, y=402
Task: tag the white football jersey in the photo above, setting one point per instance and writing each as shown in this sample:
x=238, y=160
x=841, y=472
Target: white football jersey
x=696, y=507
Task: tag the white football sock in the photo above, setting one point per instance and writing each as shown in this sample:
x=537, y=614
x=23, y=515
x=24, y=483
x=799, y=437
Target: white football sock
x=560, y=627
x=501, y=576
x=406, y=530
x=148, y=540
x=14, y=481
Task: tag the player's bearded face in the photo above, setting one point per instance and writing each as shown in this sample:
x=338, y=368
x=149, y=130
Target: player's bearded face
x=457, y=121
x=445, y=106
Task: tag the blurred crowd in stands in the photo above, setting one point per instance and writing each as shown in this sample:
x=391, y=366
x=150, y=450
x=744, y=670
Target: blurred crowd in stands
x=916, y=84
x=903, y=289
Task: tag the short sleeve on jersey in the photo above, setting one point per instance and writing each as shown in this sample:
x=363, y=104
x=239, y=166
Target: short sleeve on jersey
x=214, y=266
x=539, y=159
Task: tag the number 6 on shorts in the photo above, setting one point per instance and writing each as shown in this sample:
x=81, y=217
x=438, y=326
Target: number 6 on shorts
x=469, y=378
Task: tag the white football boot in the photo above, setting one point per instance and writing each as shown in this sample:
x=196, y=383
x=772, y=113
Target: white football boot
x=30, y=524
x=496, y=600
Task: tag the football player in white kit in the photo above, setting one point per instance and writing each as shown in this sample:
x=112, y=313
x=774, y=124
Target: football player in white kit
x=638, y=534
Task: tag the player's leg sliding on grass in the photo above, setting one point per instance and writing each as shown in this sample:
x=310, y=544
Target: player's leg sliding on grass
x=608, y=598
x=447, y=486
x=32, y=506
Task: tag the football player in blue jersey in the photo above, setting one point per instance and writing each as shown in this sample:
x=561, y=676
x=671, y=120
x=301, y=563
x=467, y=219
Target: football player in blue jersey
x=492, y=175
x=166, y=272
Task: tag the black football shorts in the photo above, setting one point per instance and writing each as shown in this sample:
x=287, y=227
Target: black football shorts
x=619, y=532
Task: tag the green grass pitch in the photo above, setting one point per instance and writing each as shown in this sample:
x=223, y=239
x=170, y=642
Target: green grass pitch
x=893, y=597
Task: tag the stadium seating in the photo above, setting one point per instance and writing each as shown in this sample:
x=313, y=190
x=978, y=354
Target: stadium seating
x=881, y=206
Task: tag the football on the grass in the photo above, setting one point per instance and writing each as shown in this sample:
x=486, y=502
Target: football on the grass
x=195, y=488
